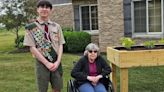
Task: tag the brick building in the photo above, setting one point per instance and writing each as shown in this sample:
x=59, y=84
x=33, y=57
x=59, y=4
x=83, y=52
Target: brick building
x=109, y=20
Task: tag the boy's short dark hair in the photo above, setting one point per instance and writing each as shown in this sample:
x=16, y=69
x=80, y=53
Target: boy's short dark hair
x=43, y=3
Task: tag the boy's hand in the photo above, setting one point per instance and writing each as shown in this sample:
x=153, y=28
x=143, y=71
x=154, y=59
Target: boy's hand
x=49, y=65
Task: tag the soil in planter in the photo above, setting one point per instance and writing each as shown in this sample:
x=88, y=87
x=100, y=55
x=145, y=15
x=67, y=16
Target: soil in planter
x=140, y=48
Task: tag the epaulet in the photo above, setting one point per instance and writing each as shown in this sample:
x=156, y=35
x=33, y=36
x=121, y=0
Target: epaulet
x=54, y=24
x=30, y=26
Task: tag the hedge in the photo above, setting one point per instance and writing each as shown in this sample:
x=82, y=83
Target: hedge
x=75, y=41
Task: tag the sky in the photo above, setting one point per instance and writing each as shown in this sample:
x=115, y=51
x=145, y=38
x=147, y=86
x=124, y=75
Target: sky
x=0, y=4
x=1, y=12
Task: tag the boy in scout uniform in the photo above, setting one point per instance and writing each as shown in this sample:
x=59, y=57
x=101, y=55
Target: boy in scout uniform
x=45, y=39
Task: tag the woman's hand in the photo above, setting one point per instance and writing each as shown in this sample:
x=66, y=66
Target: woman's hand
x=94, y=79
x=97, y=78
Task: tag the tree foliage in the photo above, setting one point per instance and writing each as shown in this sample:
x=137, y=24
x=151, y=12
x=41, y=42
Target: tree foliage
x=17, y=13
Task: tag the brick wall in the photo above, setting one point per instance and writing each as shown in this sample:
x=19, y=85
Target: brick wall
x=63, y=15
x=110, y=15
x=111, y=23
x=95, y=39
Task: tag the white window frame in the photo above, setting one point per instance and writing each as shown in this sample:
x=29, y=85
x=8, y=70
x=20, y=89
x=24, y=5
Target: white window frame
x=62, y=4
x=147, y=34
x=80, y=12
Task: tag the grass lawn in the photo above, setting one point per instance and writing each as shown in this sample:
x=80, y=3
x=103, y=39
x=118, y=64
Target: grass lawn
x=17, y=71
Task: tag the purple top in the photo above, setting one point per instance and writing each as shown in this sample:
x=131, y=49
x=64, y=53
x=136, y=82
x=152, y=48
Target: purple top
x=92, y=69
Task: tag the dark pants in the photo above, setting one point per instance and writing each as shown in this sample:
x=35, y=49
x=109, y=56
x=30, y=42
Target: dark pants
x=44, y=76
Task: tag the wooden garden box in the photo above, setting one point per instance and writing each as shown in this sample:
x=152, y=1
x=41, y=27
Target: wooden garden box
x=125, y=59
x=132, y=58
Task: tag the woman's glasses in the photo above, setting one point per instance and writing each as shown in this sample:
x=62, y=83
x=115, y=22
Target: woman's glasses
x=90, y=51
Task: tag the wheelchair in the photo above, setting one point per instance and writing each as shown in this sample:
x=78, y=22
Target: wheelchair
x=72, y=88
x=106, y=81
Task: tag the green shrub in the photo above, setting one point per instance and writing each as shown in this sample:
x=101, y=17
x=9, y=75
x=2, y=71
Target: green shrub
x=149, y=44
x=76, y=41
x=20, y=41
x=127, y=42
x=67, y=29
x=161, y=41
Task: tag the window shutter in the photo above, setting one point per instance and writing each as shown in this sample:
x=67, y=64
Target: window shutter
x=77, y=18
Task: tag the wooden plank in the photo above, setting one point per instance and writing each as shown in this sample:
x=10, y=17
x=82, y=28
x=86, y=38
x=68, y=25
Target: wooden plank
x=114, y=78
x=113, y=56
x=124, y=59
x=123, y=80
x=142, y=58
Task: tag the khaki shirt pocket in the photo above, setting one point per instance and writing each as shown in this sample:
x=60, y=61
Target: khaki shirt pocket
x=55, y=36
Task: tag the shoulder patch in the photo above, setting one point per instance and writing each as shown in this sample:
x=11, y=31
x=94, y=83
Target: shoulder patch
x=53, y=24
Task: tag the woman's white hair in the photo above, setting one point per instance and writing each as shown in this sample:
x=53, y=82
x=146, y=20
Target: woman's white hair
x=91, y=46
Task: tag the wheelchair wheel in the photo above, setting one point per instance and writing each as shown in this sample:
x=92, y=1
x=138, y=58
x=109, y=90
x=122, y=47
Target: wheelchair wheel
x=111, y=87
x=71, y=87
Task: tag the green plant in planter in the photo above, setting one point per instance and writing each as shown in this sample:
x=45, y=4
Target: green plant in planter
x=127, y=42
x=149, y=44
x=161, y=41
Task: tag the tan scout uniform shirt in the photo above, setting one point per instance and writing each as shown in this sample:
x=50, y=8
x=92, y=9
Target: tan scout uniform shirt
x=56, y=36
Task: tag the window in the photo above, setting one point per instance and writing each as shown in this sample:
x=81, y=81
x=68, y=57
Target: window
x=147, y=16
x=89, y=18
x=140, y=16
x=154, y=12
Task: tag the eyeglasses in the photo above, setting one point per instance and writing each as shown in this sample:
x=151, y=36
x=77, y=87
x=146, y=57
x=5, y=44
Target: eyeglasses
x=90, y=51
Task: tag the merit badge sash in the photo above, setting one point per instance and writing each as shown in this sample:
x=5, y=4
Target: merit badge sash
x=44, y=45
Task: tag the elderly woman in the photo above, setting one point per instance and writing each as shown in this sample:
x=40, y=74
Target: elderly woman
x=90, y=70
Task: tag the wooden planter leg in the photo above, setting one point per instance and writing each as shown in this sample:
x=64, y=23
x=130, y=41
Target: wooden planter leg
x=123, y=80
x=114, y=79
